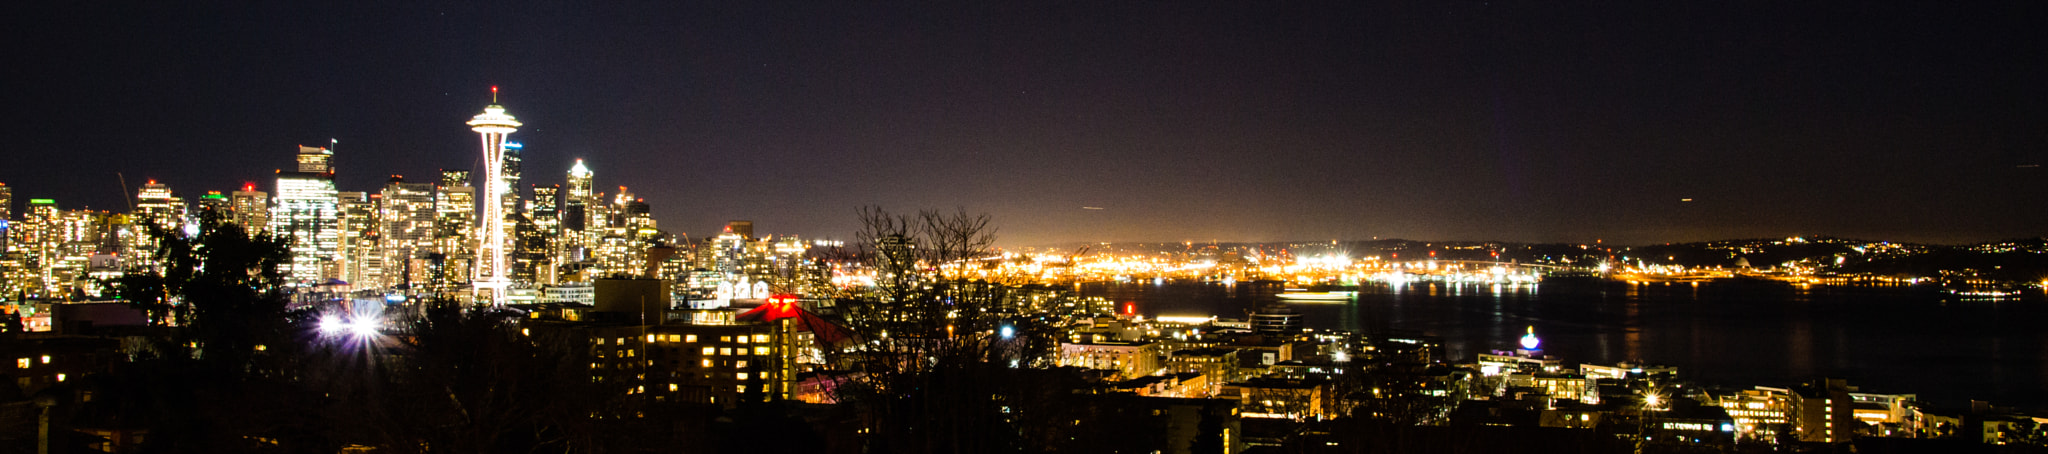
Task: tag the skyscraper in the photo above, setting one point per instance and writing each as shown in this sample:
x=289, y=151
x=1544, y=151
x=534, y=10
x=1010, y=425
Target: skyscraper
x=361, y=261
x=454, y=231
x=406, y=228
x=155, y=210
x=6, y=202
x=6, y=217
x=547, y=224
x=492, y=269
x=510, y=175
x=577, y=210
x=306, y=213
x=215, y=206
x=251, y=209
x=155, y=204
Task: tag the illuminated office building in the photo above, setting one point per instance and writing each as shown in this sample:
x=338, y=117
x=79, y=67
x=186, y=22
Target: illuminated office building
x=454, y=231
x=155, y=205
x=578, y=225
x=6, y=217
x=406, y=230
x=361, y=261
x=251, y=209
x=509, y=174
x=307, y=215
x=155, y=209
x=214, y=205
x=544, y=246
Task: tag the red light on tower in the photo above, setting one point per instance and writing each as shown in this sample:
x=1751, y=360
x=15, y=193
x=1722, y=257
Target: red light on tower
x=248, y=187
x=1130, y=308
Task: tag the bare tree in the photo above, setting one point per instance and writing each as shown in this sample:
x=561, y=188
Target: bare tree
x=938, y=365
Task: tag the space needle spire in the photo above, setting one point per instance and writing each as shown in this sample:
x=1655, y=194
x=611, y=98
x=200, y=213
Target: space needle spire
x=492, y=272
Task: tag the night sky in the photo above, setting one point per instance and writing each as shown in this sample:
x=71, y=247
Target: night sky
x=1444, y=120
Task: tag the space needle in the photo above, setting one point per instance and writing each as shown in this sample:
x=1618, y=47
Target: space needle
x=490, y=272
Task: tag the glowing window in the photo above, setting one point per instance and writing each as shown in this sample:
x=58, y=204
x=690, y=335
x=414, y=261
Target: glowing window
x=741, y=364
x=760, y=350
x=60, y=377
x=743, y=388
x=725, y=338
x=761, y=338
x=690, y=338
x=707, y=363
x=21, y=363
x=742, y=375
x=672, y=387
x=724, y=351
x=741, y=339
x=46, y=359
x=710, y=351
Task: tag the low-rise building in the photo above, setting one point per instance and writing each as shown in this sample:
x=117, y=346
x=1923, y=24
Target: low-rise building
x=1127, y=359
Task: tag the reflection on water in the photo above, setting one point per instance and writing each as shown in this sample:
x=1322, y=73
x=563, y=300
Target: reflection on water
x=1736, y=333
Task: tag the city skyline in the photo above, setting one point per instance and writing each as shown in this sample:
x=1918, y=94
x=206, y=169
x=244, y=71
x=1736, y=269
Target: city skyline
x=1464, y=121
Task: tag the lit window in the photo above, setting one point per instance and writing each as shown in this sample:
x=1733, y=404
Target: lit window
x=690, y=338
x=672, y=387
x=760, y=350
x=742, y=375
x=21, y=363
x=725, y=351
x=760, y=338
x=742, y=365
x=710, y=351
x=60, y=377
x=707, y=363
x=743, y=388
x=46, y=359
x=621, y=341
x=742, y=339
x=725, y=338
x=650, y=338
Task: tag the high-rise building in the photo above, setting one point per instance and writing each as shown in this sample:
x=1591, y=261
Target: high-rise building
x=579, y=223
x=6, y=218
x=745, y=229
x=406, y=227
x=316, y=160
x=155, y=204
x=251, y=209
x=156, y=210
x=509, y=173
x=307, y=215
x=454, y=232
x=491, y=275
x=361, y=261
x=213, y=205
x=6, y=202
x=547, y=224
x=579, y=182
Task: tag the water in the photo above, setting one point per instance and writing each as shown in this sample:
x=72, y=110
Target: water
x=1733, y=333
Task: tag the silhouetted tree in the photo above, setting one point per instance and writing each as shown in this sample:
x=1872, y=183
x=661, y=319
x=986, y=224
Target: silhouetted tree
x=932, y=369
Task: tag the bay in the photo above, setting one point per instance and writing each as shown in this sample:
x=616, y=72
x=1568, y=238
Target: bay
x=1731, y=333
